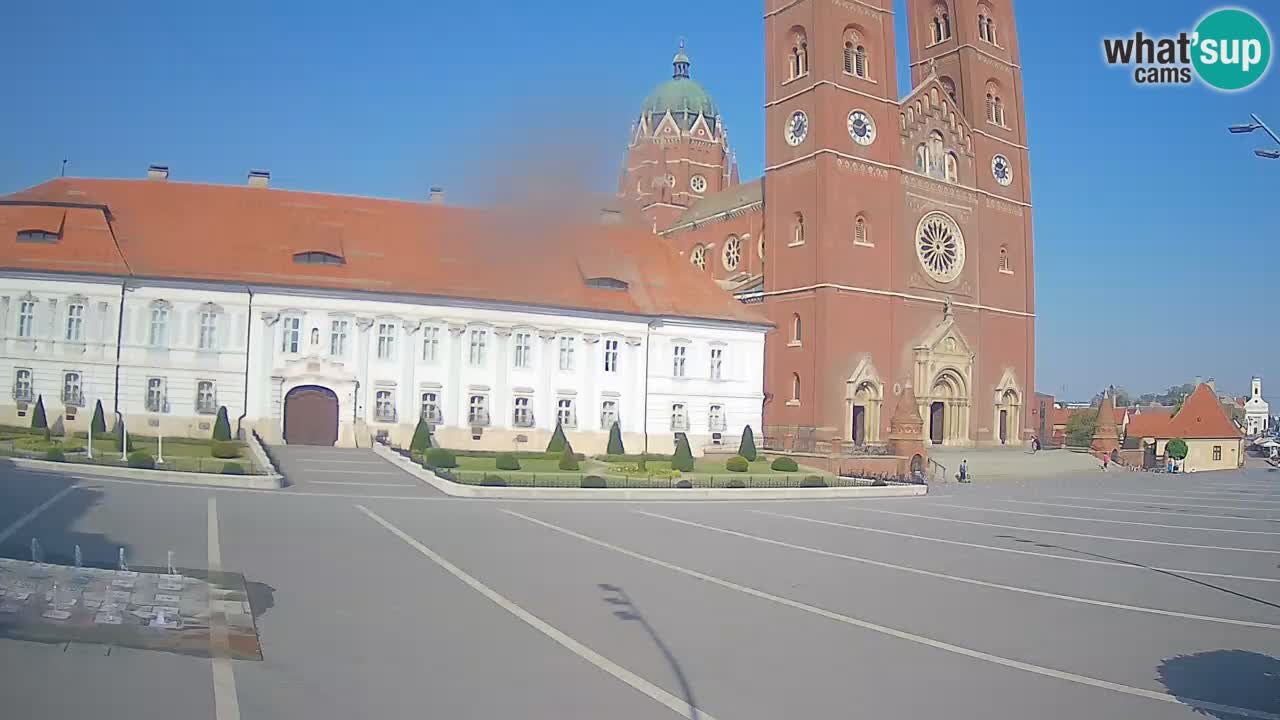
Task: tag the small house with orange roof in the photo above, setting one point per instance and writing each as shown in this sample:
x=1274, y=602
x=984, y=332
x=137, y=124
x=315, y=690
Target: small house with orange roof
x=1214, y=442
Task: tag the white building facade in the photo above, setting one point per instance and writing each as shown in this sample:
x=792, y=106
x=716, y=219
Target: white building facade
x=164, y=356
x=1257, y=412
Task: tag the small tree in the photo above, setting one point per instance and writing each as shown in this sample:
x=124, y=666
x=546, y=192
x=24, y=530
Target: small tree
x=38, y=420
x=558, y=441
x=615, y=440
x=1080, y=427
x=222, y=426
x=682, y=459
x=568, y=461
x=99, y=423
x=1176, y=449
x=421, y=441
x=747, y=448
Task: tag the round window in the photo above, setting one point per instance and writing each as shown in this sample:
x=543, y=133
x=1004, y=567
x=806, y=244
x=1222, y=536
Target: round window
x=699, y=257
x=732, y=252
x=698, y=184
x=940, y=246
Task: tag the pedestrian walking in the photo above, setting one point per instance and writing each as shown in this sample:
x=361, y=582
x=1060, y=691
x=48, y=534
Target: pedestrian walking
x=963, y=475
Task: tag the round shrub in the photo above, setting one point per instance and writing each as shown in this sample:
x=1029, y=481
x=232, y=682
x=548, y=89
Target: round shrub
x=507, y=461
x=684, y=484
x=813, y=481
x=594, y=481
x=736, y=484
x=879, y=482
x=493, y=480
x=232, y=469
x=55, y=454
x=141, y=460
x=737, y=463
x=784, y=464
x=224, y=450
x=440, y=458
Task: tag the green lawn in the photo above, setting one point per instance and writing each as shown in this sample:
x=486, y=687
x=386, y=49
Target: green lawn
x=195, y=456
x=488, y=464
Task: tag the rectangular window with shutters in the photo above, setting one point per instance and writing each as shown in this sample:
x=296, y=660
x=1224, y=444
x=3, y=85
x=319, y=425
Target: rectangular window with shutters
x=75, y=323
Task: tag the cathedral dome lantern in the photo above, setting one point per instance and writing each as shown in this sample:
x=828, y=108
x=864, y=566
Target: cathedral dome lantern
x=682, y=96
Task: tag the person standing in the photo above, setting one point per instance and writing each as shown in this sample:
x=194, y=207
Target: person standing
x=964, y=471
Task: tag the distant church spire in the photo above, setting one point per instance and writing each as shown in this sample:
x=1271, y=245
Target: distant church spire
x=681, y=63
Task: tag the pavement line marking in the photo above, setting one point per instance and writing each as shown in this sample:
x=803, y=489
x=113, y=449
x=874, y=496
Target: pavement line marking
x=16, y=525
x=1104, y=520
x=225, y=700
x=370, y=463
x=1170, y=504
x=680, y=707
x=912, y=637
x=967, y=580
x=353, y=472
x=368, y=484
x=1129, y=510
x=1214, y=498
x=1064, y=532
x=1090, y=561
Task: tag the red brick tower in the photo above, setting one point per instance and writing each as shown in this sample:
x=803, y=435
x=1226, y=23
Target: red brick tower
x=678, y=152
x=1106, y=437
x=906, y=432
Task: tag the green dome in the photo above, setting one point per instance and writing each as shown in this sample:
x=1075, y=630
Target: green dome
x=680, y=95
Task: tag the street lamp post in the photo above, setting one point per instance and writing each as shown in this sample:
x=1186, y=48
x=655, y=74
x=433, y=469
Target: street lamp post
x=1258, y=124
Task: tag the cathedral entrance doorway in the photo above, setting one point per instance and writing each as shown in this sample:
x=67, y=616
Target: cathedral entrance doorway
x=859, y=425
x=937, y=418
x=311, y=416
x=1004, y=426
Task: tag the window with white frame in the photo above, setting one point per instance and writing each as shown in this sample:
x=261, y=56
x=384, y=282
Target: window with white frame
x=22, y=388
x=431, y=407
x=523, y=350
x=522, y=415
x=158, y=332
x=608, y=414
x=26, y=318
x=290, y=334
x=208, y=330
x=679, y=418
x=679, y=353
x=430, y=344
x=478, y=410
x=566, y=353
x=717, y=363
x=157, y=401
x=611, y=356
x=715, y=418
x=479, y=342
x=386, y=341
x=206, y=397
x=338, y=332
x=71, y=394
x=565, y=413
x=75, y=322
x=384, y=406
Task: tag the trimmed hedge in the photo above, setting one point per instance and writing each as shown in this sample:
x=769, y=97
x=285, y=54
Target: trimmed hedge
x=568, y=460
x=558, y=442
x=421, y=441
x=615, y=440
x=747, y=448
x=99, y=422
x=55, y=454
x=594, y=481
x=142, y=460
x=232, y=469
x=684, y=484
x=784, y=464
x=682, y=459
x=630, y=458
x=222, y=426
x=439, y=458
x=813, y=481
x=737, y=463
x=736, y=484
x=224, y=450
x=507, y=461
x=493, y=481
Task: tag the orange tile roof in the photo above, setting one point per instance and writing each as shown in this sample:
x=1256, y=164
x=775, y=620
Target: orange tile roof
x=1202, y=416
x=163, y=229
x=1148, y=423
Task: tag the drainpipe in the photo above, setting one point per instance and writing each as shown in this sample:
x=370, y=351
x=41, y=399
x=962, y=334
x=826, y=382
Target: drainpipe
x=355, y=416
x=115, y=402
x=248, y=336
x=645, y=401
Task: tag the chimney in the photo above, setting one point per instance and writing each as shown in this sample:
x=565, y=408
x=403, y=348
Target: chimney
x=259, y=178
x=1213, y=385
x=158, y=172
x=436, y=196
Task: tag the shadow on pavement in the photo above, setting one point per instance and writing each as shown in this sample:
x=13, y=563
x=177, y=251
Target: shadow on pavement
x=1238, y=678
x=53, y=530
x=627, y=610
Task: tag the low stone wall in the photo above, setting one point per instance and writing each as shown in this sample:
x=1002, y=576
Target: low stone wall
x=856, y=465
x=255, y=482
x=526, y=493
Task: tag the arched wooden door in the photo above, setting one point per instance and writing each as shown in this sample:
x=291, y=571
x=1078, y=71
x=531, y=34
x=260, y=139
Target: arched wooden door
x=310, y=416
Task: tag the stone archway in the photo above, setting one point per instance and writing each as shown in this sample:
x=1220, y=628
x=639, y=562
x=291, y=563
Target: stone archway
x=948, y=409
x=864, y=401
x=311, y=416
x=1009, y=418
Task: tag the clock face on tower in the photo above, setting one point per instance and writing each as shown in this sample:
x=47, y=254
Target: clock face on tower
x=797, y=128
x=861, y=127
x=1001, y=171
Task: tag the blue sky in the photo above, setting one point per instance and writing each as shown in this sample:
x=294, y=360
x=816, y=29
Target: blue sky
x=1149, y=217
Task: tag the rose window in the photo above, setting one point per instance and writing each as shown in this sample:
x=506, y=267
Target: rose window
x=699, y=257
x=732, y=252
x=940, y=246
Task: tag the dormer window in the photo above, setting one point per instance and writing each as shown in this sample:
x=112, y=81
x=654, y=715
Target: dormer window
x=606, y=283
x=38, y=236
x=318, y=257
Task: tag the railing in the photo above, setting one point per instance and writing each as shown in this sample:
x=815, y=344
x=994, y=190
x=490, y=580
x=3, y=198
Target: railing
x=937, y=471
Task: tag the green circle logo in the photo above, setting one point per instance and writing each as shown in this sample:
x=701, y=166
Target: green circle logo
x=1232, y=49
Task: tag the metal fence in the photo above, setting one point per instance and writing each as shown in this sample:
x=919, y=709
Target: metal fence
x=694, y=480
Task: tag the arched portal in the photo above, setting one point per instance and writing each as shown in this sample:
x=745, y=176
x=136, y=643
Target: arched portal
x=311, y=416
x=865, y=418
x=949, y=409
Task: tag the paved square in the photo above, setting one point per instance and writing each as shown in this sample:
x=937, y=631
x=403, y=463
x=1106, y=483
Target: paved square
x=1119, y=595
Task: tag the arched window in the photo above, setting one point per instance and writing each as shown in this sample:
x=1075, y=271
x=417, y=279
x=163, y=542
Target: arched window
x=949, y=87
x=998, y=109
x=936, y=154
x=936, y=26
x=861, y=235
x=922, y=158
x=797, y=329
x=941, y=23
x=798, y=55
x=795, y=387
x=952, y=168
x=995, y=106
x=699, y=257
x=982, y=25
x=1004, y=261
x=855, y=60
x=732, y=253
x=798, y=230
